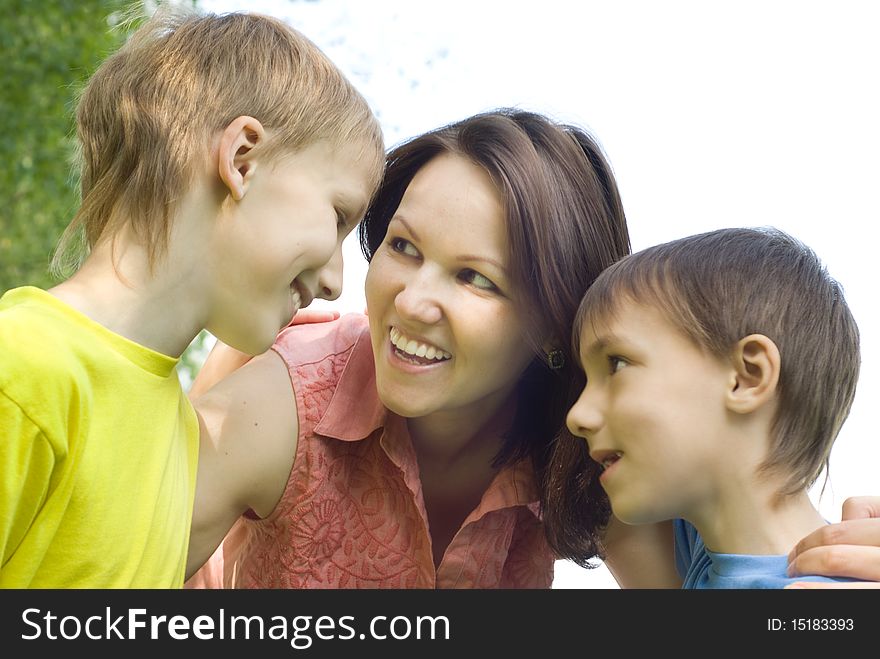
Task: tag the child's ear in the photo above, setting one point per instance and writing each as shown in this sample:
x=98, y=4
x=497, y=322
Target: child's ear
x=755, y=376
x=236, y=161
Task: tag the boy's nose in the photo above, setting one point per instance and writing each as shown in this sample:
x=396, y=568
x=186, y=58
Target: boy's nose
x=330, y=277
x=584, y=418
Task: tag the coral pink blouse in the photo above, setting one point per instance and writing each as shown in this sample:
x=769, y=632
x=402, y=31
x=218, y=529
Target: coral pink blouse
x=352, y=514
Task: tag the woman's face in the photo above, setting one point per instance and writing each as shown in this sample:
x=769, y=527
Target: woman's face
x=443, y=321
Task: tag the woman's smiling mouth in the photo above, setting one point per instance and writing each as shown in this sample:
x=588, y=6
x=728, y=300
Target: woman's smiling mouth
x=416, y=351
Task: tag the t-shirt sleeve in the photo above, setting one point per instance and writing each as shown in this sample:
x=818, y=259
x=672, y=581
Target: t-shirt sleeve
x=685, y=535
x=27, y=464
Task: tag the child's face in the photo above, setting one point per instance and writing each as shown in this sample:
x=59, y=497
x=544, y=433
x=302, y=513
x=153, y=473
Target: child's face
x=652, y=413
x=439, y=287
x=285, y=245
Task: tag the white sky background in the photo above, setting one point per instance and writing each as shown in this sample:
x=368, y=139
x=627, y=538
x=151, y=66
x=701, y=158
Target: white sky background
x=713, y=114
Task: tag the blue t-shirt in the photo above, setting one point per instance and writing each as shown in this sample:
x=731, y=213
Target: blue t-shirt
x=701, y=568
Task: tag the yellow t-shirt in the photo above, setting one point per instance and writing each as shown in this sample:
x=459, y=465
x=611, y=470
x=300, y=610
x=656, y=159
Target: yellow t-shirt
x=98, y=453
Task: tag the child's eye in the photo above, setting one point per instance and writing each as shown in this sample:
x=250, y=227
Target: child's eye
x=615, y=363
x=403, y=246
x=476, y=279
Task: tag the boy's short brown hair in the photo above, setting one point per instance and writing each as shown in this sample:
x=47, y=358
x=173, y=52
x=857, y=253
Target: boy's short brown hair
x=719, y=287
x=148, y=113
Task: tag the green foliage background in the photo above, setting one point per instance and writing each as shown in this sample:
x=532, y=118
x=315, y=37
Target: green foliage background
x=49, y=48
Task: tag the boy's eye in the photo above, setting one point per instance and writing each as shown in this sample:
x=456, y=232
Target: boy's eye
x=403, y=247
x=476, y=279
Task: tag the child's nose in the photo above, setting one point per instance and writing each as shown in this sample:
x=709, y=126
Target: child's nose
x=330, y=277
x=584, y=418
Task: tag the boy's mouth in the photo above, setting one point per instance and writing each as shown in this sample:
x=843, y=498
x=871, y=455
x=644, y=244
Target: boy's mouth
x=606, y=458
x=300, y=297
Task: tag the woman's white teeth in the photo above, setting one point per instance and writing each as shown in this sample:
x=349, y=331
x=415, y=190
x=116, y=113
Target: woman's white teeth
x=412, y=347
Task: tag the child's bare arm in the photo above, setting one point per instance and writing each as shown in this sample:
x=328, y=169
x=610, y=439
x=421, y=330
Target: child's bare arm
x=249, y=427
x=223, y=359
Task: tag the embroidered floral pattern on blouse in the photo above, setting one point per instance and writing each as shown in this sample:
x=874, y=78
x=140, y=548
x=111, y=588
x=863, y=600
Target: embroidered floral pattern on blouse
x=348, y=517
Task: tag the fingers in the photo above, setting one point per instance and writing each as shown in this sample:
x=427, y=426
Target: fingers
x=849, y=532
x=850, y=548
x=855, y=561
x=304, y=316
x=861, y=508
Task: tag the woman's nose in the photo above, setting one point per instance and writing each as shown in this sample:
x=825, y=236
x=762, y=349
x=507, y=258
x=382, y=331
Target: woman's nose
x=420, y=300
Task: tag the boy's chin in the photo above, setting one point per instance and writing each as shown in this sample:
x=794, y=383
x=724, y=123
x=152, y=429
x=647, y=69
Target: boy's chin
x=252, y=341
x=633, y=516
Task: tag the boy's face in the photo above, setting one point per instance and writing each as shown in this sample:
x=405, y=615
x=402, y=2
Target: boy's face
x=284, y=245
x=653, y=415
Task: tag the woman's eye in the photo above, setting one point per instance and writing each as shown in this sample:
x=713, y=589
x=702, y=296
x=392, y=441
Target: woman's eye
x=403, y=247
x=616, y=363
x=340, y=219
x=476, y=279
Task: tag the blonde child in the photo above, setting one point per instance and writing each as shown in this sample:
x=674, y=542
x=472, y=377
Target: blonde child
x=223, y=161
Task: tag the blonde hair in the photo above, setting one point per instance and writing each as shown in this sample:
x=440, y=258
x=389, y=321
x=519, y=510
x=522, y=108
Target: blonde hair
x=149, y=111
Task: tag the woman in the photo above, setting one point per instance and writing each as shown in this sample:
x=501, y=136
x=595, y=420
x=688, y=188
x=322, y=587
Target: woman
x=413, y=453
x=416, y=444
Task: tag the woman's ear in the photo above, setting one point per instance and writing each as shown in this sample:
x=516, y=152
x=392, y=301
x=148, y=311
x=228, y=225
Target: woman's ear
x=553, y=354
x=236, y=156
x=756, y=363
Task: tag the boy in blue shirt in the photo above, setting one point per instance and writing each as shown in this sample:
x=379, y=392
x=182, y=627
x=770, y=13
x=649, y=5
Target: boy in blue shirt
x=720, y=368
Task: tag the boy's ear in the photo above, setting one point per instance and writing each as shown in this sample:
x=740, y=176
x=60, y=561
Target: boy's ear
x=756, y=363
x=236, y=161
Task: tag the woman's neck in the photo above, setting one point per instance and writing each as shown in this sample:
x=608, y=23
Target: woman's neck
x=475, y=433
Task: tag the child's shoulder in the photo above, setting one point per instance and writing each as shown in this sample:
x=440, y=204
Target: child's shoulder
x=37, y=345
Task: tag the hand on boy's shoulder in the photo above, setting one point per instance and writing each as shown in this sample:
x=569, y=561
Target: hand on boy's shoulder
x=304, y=316
x=849, y=548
